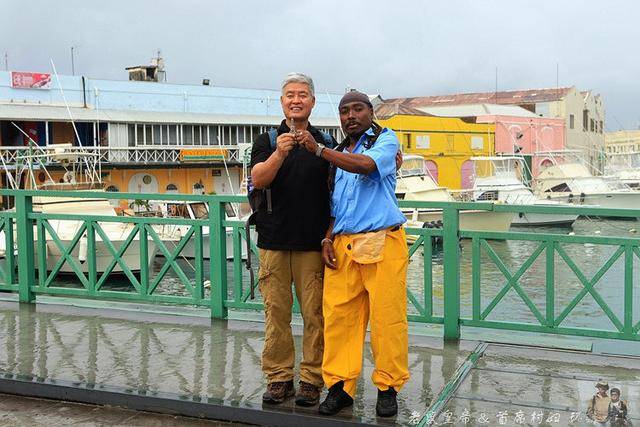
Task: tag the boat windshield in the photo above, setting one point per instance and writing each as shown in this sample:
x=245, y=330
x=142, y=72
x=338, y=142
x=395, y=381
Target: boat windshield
x=412, y=167
x=177, y=210
x=199, y=210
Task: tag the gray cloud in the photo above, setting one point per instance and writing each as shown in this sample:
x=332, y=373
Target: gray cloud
x=399, y=48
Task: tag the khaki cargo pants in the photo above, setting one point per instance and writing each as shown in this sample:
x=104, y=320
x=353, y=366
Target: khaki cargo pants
x=278, y=269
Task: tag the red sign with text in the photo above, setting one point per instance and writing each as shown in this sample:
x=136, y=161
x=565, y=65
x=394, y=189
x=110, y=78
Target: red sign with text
x=26, y=80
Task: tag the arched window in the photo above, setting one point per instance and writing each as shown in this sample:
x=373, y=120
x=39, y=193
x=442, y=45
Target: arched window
x=432, y=168
x=113, y=189
x=466, y=175
x=198, y=188
x=171, y=188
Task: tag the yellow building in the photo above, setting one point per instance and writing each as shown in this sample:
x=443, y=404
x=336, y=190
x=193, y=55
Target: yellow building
x=447, y=143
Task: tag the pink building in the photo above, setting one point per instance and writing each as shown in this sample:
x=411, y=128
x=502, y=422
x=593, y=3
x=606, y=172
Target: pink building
x=527, y=136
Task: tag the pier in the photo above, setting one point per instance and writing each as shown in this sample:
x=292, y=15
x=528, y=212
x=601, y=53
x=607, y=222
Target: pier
x=497, y=329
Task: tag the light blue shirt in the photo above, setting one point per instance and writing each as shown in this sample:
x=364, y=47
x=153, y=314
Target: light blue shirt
x=362, y=203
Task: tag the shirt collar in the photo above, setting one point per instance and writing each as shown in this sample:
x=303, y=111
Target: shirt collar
x=368, y=132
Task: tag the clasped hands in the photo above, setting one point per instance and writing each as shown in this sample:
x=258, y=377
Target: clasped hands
x=288, y=141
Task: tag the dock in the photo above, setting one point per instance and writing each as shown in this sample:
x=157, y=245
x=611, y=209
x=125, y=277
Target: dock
x=189, y=365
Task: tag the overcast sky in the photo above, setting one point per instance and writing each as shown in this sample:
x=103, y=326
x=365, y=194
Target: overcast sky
x=394, y=47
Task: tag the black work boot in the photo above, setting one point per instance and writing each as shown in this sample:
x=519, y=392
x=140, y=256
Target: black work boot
x=336, y=400
x=278, y=391
x=308, y=394
x=387, y=405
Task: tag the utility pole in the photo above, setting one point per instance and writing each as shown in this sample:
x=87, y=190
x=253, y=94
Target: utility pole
x=73, y=68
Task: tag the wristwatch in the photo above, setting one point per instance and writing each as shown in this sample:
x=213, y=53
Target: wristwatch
x=319, y=150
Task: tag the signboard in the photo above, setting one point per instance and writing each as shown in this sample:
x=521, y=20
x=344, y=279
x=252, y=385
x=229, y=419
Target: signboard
x=26, y=80
x=200, y=154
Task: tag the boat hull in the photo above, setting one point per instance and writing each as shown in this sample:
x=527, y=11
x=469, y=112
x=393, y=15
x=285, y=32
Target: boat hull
x=470, y=220
x=621, y=200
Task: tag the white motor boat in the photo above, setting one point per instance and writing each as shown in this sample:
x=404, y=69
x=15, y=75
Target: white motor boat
x=116, y=232
x=415, y=183
x=199, y=210
x=624, y=168
x=572, y=182
x=499, y=178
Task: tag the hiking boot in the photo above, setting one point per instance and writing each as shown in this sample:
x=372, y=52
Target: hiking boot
x=308, y=394
x=336, y=400
x=278, y=391
x=387, y=405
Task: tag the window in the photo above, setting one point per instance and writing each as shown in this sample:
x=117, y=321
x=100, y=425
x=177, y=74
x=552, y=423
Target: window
x=173, y=134
x=593, y=125
x=139, y=134
x=407, y=139
x=601, y=127
x=157, y=135
x=171, y=188
x=148, y=134
x=450, y=141
x=187, y=135
x=197, y=135
x=572, y=121
x=213, y=135
x=423, y=141
x=132, y=135
x=477, y=143
x=585, y=120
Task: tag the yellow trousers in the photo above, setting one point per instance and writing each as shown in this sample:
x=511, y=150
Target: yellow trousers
x=355, y=293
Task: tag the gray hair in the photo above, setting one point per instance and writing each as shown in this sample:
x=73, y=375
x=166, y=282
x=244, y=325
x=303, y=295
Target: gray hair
x=298, y=78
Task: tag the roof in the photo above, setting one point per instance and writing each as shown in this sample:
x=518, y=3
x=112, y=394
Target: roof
x=60, y=114
x=517, y=97
x=387, y=110
x=472, y=110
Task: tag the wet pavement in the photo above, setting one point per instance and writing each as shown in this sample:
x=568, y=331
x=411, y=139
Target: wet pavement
x=25, y=411
x=195, y=359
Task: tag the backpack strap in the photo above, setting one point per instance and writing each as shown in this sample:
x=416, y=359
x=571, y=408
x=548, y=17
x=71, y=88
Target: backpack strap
x=273, y=136
x=327, y=139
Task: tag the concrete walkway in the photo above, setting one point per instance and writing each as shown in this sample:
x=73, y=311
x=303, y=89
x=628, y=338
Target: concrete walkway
x=18, y=411
x=127, y=353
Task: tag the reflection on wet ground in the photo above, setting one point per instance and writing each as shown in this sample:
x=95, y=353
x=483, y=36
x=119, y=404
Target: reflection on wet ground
x=195, y=356
x=184, y=355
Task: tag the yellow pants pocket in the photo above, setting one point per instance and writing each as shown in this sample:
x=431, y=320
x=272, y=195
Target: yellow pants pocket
x=368, y=248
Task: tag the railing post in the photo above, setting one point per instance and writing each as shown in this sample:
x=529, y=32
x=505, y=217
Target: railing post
x=218, y=258
x=451, y=247
x=26, y=260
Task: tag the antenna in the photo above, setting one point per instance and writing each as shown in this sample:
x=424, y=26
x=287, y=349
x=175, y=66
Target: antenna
x=73, y=67
x=94, y=174
x=6, y=61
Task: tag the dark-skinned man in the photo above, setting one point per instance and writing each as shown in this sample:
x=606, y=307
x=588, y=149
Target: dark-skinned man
x=290, y=232
x=366, y=256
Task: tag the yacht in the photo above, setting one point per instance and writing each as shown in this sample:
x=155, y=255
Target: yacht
x=200, y=210
x=415, y=183
x=568, y=180
x=499, y=178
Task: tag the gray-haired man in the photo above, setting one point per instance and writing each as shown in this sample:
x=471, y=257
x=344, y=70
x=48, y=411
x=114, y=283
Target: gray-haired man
x=291, y=226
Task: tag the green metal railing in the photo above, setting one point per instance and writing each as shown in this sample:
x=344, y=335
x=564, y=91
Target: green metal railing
x=34, y=237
